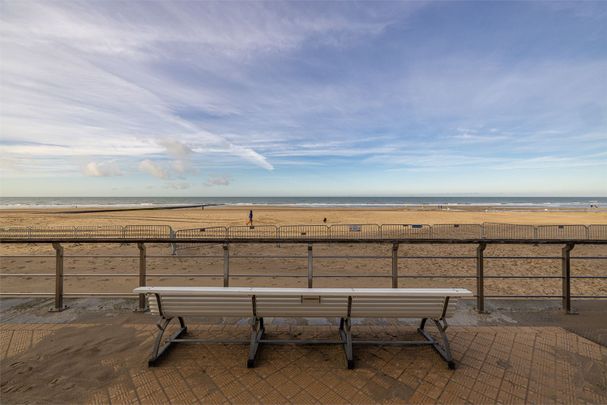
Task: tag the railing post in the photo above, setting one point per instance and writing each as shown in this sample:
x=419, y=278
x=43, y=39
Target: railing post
x=226, y=265
x=142, y=275
x=310, y=266
x=480, y=277
x=566, y=260
x=58, y=278
x=395, y=265
x=173, y=244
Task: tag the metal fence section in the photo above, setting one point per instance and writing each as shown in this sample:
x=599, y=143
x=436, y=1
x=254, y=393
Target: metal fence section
x=101, y=231
x=597, y=232
x=355, y=231
x=147, y=231
x=562, y=232
x=460, y=231
x=55, y=232
x=509, y=231
x=213, y=232
x=397, y=231
x=304, y=232
x=258, y=231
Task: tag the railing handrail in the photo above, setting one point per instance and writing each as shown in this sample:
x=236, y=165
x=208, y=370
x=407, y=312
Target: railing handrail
x=225, y=242
x=304, y=240
x=486, y=230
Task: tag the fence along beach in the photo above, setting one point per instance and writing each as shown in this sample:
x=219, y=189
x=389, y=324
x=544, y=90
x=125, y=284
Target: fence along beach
x=114, y=267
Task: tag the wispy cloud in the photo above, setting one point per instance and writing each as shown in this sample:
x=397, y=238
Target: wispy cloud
x=278, y=90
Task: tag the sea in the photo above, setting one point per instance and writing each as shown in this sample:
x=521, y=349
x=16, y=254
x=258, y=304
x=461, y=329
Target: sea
x=309, y=202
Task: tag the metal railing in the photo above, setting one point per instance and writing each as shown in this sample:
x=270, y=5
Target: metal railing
x=313, y=235
x=324, y=232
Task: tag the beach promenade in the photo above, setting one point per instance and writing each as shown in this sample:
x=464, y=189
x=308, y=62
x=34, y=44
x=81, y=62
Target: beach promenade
x=96, y=352
x=523, y=350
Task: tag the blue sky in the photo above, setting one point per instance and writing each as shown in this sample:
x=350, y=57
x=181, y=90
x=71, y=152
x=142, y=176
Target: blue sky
x=303, y=99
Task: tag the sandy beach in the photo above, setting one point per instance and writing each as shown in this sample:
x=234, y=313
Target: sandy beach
x=99, y=274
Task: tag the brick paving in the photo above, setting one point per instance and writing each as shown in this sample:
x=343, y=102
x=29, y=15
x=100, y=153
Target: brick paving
x=496, y=364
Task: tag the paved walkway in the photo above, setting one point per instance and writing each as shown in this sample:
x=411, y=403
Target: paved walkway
x=99, y=356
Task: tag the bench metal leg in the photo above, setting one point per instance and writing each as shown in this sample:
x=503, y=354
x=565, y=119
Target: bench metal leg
x=257, y=332
x=444, y=350
x=345, y=332
x=157, y=350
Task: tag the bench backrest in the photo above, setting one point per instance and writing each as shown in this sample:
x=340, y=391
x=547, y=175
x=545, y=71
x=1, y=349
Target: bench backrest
x=308, y=303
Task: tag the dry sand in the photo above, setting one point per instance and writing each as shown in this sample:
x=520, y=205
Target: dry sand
x=98, y=274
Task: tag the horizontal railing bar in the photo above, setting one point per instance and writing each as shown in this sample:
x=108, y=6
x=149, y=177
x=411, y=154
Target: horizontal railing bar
x=523, y=277
x=436, y=257
x=100, y=275
x=148, y=275
x=523, y=296
x=17, y=256
x=212, y=341
x=433, y=276
x=187, y=257
x=85, y=294
x=266, y=257
x=109, y=294
x=129, y=295
x=599, y=277
x=269, y=275
x=285, y=275
x=264, y=240
x=304, y=257
x=101, y=256
x=545, y=296
x=351, y=257
x=350, y=276
x=523, y=257
x=27, y=293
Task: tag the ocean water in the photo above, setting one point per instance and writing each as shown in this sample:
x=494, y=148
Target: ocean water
x=320, y=202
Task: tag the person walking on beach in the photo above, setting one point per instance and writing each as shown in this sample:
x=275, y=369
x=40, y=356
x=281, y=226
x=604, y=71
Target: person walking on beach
x=250, y=221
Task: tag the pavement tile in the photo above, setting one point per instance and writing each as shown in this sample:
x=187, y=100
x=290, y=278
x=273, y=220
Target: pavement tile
x=507, y=364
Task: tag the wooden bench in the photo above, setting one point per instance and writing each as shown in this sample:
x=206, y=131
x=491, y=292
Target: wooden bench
x=434, y=304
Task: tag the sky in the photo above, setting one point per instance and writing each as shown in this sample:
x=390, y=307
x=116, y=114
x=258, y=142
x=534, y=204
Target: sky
x=183, y=98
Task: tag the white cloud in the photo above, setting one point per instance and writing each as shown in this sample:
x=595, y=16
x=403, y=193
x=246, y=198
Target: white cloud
x=102, y=169
x=153, y=169
x=218, y=181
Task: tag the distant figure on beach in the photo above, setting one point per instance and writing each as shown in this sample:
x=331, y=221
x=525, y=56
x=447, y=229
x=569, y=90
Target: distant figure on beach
x=324, y=220
x=250, y=221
